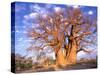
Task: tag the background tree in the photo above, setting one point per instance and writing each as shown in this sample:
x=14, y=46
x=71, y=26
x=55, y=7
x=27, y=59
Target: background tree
x=67, y=32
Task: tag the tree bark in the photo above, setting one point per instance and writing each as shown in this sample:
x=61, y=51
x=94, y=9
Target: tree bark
x=60, y=58
x=67, y=57
x=71, y=54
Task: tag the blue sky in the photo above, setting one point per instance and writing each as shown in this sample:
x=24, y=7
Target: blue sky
x=25, y=14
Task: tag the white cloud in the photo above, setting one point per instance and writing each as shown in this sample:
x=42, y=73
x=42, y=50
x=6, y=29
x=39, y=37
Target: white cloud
x=38, y=9
x=57, y=9
x=17, y=31
x=20, y=39
x=33, y=15
x=90, y=12
x=27, y=40
x=43, y=11
x=26, y=17
x=75, y=6
x=35, y=8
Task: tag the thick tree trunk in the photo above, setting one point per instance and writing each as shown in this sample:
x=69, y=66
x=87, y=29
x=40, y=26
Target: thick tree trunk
x=69, y=57
x=71, y=54
x=60, y=58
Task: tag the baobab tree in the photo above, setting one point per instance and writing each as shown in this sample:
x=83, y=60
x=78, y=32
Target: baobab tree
x=65, y=31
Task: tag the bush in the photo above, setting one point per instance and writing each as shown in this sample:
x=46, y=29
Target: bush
x=24, y=65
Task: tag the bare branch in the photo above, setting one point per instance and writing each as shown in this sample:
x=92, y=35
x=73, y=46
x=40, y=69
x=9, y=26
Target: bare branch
x=34, y=48
x=83, y=34
x=84, y=50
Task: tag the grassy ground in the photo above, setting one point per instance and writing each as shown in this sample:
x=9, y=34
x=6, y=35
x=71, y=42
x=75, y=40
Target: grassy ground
x=78, y=66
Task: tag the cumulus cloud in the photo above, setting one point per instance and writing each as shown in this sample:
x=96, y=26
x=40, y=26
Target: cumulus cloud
x=32, y=15
x=35, y=7
x=36, y=10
